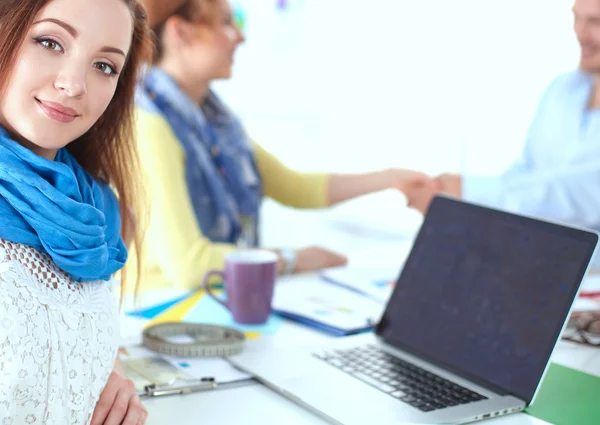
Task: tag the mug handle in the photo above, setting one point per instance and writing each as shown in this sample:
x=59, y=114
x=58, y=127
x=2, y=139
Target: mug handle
x=206, y=287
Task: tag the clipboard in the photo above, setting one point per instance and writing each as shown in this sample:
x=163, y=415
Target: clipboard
x=155, y=375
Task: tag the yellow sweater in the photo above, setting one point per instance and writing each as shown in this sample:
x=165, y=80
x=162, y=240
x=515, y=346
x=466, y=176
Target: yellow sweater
x=175, y=252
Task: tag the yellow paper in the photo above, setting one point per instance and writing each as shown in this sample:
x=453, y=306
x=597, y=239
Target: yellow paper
x=178, y=311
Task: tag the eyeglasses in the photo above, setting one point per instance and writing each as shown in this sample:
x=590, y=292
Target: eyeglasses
x=583, y=328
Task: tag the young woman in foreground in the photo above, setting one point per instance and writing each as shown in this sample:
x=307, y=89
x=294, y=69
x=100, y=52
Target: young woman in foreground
x=67, y=77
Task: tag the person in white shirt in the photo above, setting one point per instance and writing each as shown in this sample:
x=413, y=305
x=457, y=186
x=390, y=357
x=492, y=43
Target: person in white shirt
x=558, y=174
x=68, y=70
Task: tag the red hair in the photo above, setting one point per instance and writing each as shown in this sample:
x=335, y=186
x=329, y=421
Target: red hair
x=204, y=12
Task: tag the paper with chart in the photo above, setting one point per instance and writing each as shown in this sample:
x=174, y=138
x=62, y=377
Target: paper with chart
x=312, y=298
x=376, y=284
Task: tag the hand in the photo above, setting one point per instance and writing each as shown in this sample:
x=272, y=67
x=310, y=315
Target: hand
x=316, y=258
x=119, y=403
x=408, y=180
x=450, y=184
x=419, y=197
x=421, y=192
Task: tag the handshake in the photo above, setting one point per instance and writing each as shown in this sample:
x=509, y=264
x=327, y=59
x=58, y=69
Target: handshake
x=420, y=188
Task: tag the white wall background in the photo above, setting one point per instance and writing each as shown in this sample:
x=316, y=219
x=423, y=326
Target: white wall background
x=436, y=85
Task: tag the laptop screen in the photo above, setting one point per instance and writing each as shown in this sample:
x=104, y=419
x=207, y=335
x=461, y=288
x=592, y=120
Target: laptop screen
x=486, y=293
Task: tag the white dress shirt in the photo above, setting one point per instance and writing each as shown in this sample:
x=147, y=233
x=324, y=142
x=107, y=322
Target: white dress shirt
x=557, y=176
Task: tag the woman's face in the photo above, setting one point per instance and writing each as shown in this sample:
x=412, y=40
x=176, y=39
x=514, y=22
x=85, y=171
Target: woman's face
x=211, y=52
x=66, y=73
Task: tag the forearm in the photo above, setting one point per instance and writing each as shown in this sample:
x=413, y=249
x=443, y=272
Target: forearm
x=342, y=187
x=290, y=187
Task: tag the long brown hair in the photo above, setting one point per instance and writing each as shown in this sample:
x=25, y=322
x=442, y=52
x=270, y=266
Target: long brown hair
x=108, y=150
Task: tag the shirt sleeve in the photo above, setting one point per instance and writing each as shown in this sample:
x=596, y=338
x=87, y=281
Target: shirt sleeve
x=174, y=237
x=291, y=188
x=570, y=194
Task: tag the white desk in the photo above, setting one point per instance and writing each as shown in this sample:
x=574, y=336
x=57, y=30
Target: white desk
x=256, y=404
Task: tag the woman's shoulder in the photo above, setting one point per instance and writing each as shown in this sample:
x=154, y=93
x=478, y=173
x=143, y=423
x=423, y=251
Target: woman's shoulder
x=147, y=114
x=24, y=268
x=144, y=101
x=34, y=261
x=155, y=135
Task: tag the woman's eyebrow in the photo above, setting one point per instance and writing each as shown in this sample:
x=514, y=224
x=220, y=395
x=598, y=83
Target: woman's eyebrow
x=71, y=30
x=66, y=26
x=108, y=49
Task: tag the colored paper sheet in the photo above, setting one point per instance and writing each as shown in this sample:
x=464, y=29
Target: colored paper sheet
x=178, y=311
x=153, y=311
x=568, y=397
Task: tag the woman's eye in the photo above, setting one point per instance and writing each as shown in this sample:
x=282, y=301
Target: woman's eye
x=105, y=68
x=50, y=44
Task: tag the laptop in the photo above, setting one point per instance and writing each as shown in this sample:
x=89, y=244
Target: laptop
x=466, y=335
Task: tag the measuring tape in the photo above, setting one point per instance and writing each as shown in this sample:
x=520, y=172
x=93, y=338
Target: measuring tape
x=209, y=340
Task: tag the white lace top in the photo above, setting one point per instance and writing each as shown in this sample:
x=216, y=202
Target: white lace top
x=58, y=340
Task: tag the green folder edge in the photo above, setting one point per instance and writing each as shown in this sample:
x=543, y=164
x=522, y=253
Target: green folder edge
x=567, y=397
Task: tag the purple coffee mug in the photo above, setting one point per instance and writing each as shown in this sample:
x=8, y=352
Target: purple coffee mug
x=249, y=278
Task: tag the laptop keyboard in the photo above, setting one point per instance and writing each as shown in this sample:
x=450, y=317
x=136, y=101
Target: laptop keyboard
x=400, y=379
